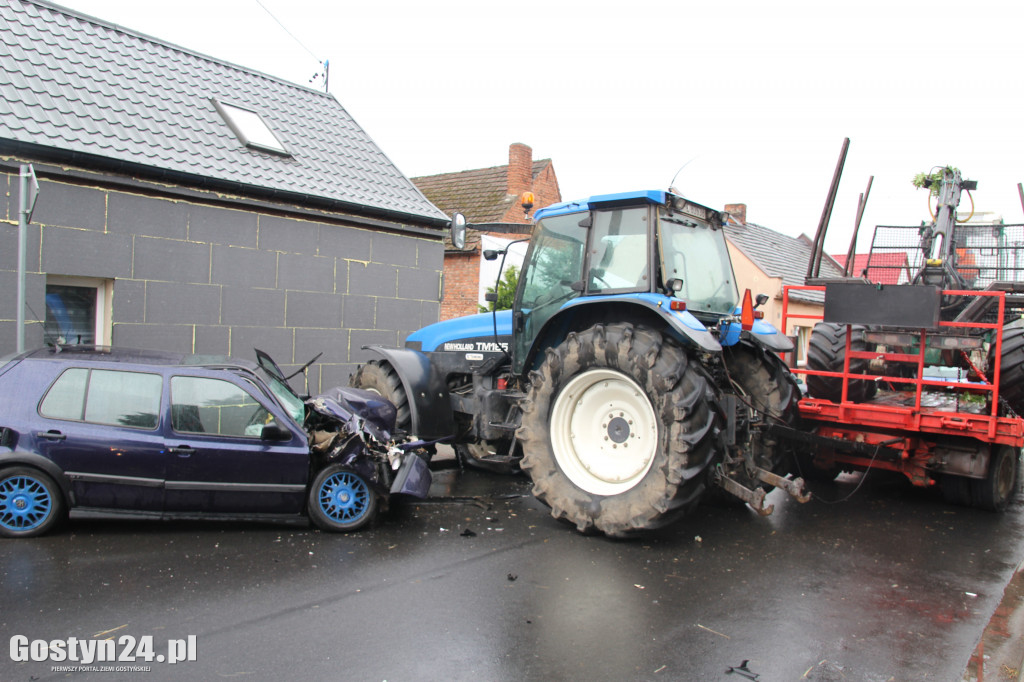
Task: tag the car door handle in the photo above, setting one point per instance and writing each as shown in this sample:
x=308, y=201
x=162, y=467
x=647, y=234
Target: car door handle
x=183, y=451
x=51, y=435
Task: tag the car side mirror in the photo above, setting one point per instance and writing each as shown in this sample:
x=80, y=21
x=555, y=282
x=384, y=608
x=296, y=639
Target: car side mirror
x=274, y=431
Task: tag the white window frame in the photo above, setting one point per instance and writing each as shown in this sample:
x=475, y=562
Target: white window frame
x=104, y=289
x=250, y=128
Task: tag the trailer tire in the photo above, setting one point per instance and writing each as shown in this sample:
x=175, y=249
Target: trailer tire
x=826, y=352
x=613, y=385
x=381, y=378
x=995, y=491
x=1011, y=374
x=770, y=389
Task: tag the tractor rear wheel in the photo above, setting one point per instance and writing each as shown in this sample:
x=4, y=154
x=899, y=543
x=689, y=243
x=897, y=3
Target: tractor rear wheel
x=618, y=428
x=826, y=352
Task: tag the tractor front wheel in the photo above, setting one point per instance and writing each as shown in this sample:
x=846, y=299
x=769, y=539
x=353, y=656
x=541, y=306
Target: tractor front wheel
x=381, y=378
x=618, y=427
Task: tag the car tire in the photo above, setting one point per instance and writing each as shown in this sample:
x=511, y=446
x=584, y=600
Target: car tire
x=30, y=503
x=340, y=500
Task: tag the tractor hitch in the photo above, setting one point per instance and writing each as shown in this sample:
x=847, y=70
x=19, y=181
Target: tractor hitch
x=755, y=498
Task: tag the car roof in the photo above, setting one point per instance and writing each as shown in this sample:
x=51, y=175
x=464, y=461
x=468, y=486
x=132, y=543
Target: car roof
x=136, y=356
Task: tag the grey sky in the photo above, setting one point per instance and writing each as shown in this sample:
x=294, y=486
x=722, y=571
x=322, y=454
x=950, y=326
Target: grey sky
x=755, y=97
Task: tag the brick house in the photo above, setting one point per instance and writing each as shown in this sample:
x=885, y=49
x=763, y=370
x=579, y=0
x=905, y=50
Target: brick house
x=192, y=205
x=765, y=261
x=486, y=195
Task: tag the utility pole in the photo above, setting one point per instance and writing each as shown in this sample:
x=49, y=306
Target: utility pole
x=27, y=195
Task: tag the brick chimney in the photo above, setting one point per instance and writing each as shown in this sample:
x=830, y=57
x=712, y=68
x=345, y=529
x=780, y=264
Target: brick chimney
x=520, y=169
x=737, y=211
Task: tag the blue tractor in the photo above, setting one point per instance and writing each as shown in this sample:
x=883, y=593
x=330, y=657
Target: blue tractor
x=628, y=381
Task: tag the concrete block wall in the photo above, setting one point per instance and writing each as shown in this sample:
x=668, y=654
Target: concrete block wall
x=201, y=278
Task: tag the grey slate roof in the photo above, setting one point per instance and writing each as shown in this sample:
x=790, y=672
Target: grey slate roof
x=779, y=255
x=76, y=87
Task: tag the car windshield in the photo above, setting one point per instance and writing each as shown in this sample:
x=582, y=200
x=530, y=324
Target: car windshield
x=288, y=399
x=694, y=252
x=292, y=403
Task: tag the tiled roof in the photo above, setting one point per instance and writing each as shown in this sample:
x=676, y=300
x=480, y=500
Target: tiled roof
x=478, y=194
x=76, y=87
x=778, y=255
x=885, y=268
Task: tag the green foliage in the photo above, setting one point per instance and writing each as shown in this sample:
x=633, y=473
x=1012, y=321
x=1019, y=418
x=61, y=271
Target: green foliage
x=933, y=180
x=506, y=291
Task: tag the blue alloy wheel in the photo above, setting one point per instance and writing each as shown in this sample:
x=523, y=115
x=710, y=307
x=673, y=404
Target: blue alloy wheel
x=30, y=503
x=340, y=500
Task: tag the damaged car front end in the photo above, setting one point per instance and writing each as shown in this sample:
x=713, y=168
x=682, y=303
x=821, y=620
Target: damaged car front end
x=357, y=460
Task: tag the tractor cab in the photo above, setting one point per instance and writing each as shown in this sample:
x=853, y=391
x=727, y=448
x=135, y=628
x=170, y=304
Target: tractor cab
x=652, y=248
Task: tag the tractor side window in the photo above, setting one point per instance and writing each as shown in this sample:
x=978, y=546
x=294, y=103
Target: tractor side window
x=553, y=266
x=618, y=251
x=555, y=261
x=695, y=253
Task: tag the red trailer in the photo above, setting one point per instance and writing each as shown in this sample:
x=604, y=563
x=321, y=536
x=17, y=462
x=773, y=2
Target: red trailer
x=877, y=401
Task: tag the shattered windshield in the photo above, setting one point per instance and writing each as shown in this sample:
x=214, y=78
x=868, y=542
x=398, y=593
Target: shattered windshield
x=278, y=385
x=695, y=253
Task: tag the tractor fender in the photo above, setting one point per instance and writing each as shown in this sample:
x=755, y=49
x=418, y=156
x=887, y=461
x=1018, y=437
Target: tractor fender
x=430, y=404
x=594, y=309
x=681, y=321
x=762, y=333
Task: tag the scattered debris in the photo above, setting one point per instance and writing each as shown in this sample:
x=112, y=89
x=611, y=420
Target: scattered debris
x=742, y=670
x=468, y=533
x=512, y=577
x=713, y=631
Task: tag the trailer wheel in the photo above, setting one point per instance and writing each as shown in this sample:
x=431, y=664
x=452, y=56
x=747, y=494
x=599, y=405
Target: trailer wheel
x=619, y=425
x=826, y=352
x=381, y=378
x=1011, y=374
x=770, y=389
x=995, y=491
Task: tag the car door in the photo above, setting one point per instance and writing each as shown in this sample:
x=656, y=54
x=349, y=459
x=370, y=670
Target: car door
x=102, y=428
x=218, y=463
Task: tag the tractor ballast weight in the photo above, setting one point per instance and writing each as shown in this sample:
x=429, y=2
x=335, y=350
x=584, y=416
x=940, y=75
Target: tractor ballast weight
x=628, y=379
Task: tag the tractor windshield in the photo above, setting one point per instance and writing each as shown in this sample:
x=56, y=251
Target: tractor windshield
x=695, y=253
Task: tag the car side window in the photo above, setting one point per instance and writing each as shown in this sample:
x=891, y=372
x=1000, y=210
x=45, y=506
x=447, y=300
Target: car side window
x=214, y=406
x=103, y=396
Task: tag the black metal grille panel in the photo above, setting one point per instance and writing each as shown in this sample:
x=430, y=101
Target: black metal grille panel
x=985, y=254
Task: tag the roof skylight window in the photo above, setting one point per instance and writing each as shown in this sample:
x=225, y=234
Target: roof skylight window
x=250, y=128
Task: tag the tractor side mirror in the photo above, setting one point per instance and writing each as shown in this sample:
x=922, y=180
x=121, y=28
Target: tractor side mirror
x=458, y=231
x=491, y=254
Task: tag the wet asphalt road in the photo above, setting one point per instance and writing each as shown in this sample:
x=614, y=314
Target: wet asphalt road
x=891, y=585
